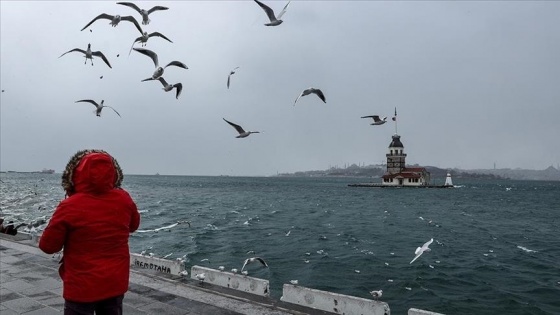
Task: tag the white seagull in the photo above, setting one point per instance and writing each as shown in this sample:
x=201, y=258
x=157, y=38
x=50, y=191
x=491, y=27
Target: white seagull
x=242, y=133
x=376, y=119
x=144, y=39
x=420, y=250
x=376, y=294
x=294, y=282
x=144, y=13
x=274, y=20
x=115, y=19
x=168, y=87
x=311, y=90
x=98, y=107
x=89, y=55
x=229, y=76
x=200, y=277
x=159, y=70
x=253, y=259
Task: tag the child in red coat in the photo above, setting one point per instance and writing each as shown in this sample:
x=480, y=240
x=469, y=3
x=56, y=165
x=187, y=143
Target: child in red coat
x=92, y=226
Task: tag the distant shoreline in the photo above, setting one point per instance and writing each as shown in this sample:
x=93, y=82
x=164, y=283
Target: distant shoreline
x=376, y=171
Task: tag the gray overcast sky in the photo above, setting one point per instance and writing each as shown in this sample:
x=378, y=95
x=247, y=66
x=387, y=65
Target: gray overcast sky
x=474, y=83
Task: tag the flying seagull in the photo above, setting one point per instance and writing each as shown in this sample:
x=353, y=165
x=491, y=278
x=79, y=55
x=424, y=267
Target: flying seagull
x=242, y=133
x=274, y=20
x=420, y=250
x=253, y=259
x=159, y=70
x=229, y=76
x=98, y=107
x=168, y=87
x=144, y=13
x=376, y=294
x=376, y=119
x=115, y=19
x=144, y=39
x=89, y=54
x=314, y=91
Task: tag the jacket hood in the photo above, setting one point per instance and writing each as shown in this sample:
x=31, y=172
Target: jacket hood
x=91, y=171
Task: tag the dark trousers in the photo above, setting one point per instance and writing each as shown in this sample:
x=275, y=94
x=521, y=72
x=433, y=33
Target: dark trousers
x=110, y=306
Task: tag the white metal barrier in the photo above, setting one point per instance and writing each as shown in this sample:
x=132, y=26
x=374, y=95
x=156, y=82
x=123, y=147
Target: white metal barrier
x=173, y=267
x=332, y=302
x=231, y=280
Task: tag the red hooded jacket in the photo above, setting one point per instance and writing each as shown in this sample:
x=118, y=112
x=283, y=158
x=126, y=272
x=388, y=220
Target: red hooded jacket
x=93, y=225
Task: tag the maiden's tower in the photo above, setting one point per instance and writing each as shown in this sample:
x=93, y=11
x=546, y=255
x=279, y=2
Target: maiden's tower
x=397, y=173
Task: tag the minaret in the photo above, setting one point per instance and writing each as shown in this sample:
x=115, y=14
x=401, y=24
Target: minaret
x=396, y=156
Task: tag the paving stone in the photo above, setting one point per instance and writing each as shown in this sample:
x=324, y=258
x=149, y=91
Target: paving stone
x=38, y=293
x=128, y=309
x=139, y=289
x=31, y=277
x=7, y=311
x=162, y=309
x=55, y=302
x=44, y=311
x=23, y=305
x=7, y=295
x=48, y=283
x=195, y=307
x=9, y=259
x=161, y=296
x=17, y=285
x=6, y=278
x=136, y=300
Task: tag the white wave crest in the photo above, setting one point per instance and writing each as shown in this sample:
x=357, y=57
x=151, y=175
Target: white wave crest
x=526, y=249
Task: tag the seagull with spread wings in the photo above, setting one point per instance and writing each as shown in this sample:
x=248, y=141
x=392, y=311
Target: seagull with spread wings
x=115, y=20
x=159, y=70
x=144, y=13
x=420, y=250
x=242, y=133
x=168, y=87
x=98, y=107
x=311, y=90
x=376, y=119
x=274, y=20
x=254, y=259
x=144, y=39
x=89, y=55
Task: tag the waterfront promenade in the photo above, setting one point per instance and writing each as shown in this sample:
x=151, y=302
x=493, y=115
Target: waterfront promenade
x=30, y=284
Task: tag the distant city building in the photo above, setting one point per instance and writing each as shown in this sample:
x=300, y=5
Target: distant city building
x=397, y=173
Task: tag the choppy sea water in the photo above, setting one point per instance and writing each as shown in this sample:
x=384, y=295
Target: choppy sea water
x=496, y=246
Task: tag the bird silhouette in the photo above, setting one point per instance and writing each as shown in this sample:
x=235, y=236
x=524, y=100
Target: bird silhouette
x=89, y=55
x=240, y=130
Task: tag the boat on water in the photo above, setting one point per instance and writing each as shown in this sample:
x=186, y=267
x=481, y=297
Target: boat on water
x=47, y=171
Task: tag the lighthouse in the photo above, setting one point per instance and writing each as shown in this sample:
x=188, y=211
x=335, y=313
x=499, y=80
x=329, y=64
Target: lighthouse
x=448, y=182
